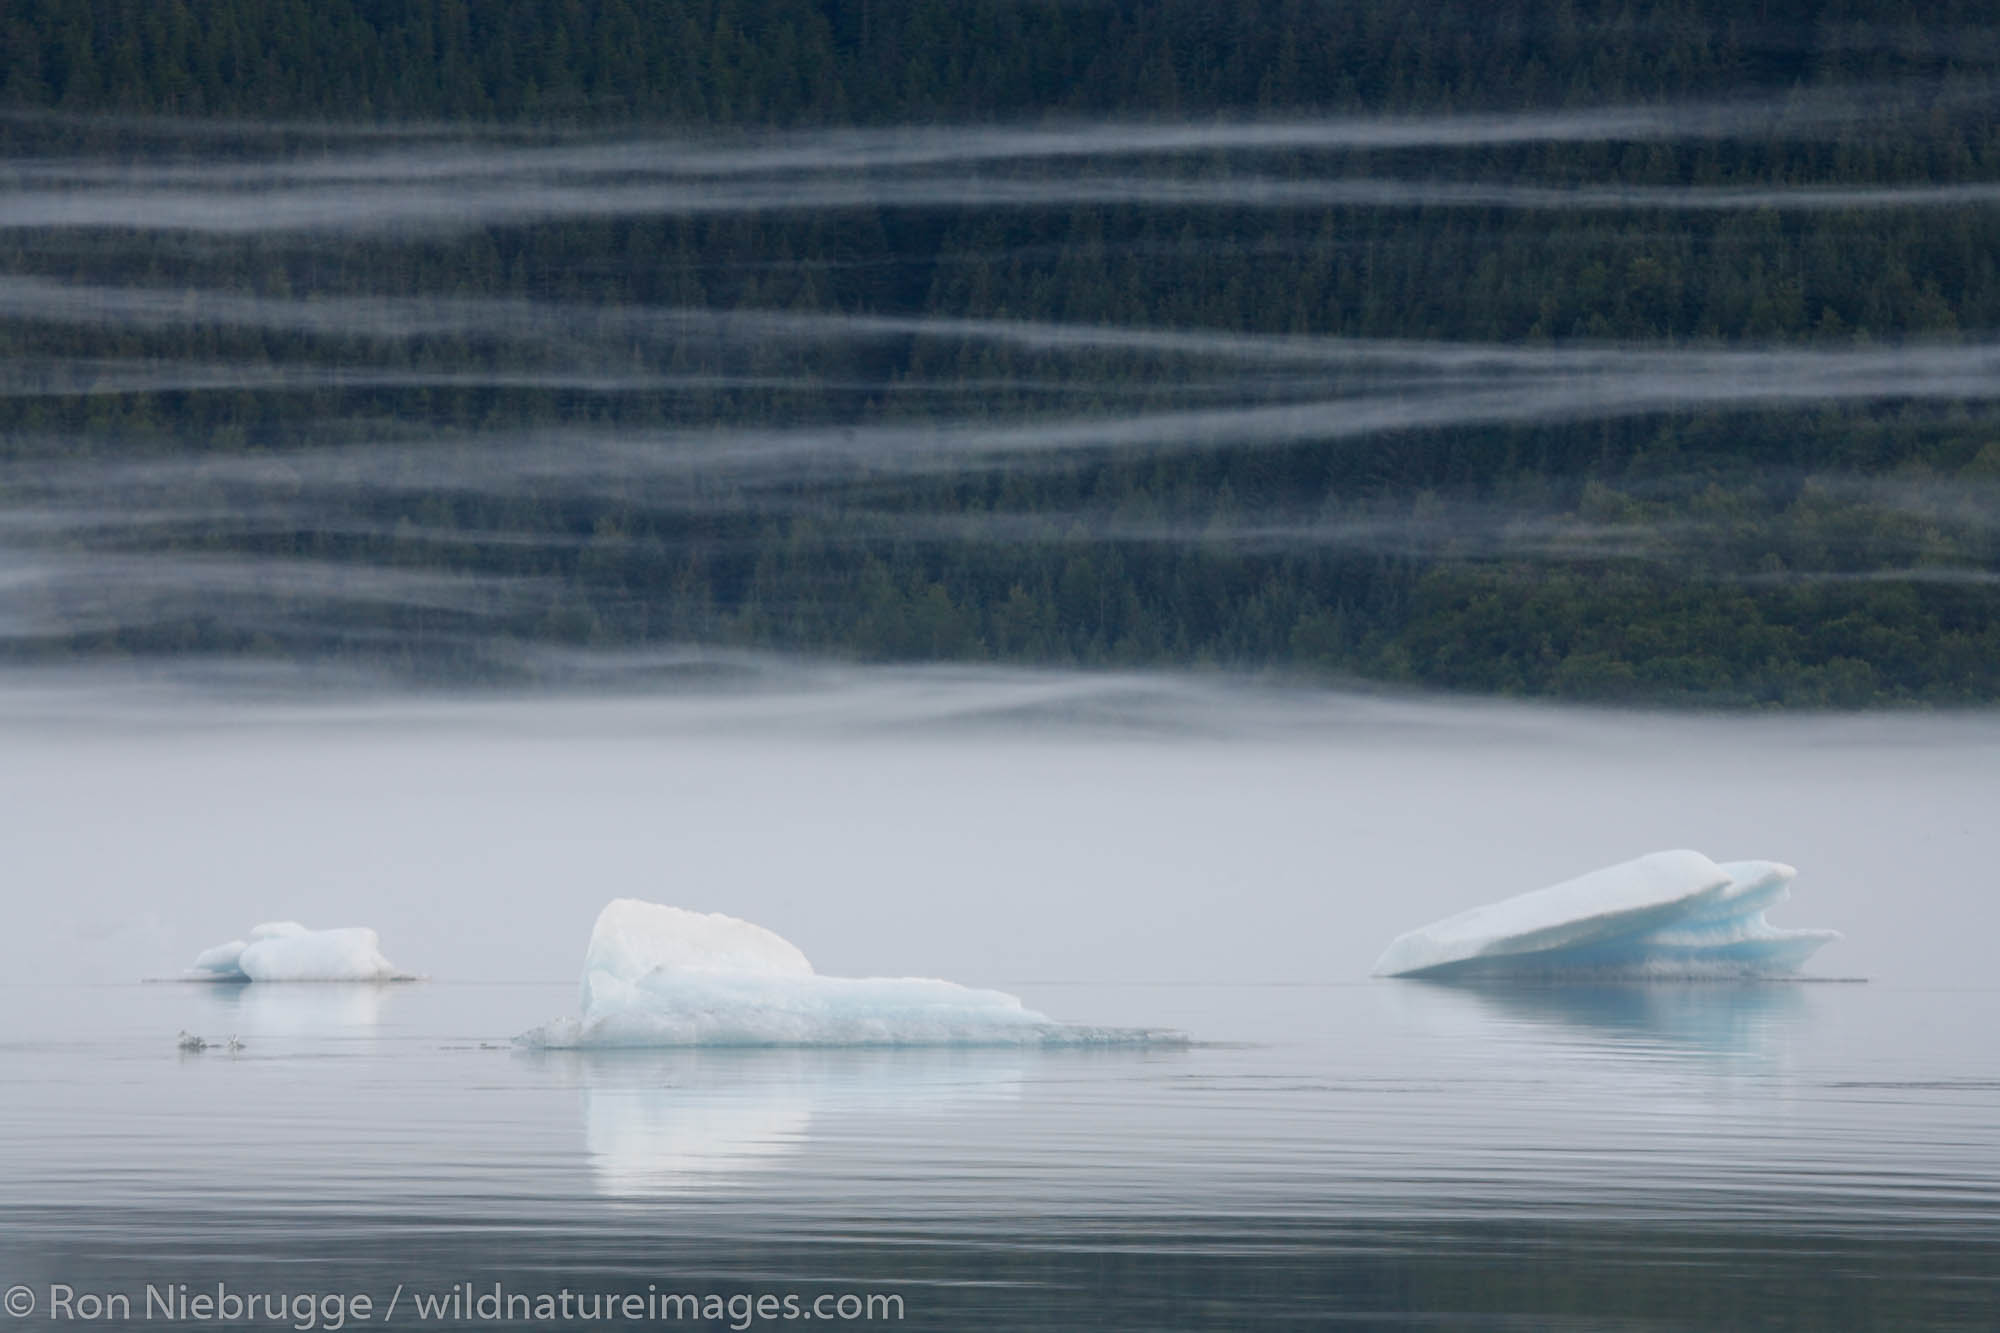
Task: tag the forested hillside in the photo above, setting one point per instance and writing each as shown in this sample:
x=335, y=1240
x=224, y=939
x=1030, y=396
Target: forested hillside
x=1612, y=352
x=793, y=63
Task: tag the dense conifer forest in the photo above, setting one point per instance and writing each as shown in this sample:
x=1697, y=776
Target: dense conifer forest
x=1618, y=352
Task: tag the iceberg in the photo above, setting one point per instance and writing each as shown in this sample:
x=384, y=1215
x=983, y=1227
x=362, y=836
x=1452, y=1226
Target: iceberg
x=219, y=963
x=1665, y=915
x=656, y=976
x=287, y=951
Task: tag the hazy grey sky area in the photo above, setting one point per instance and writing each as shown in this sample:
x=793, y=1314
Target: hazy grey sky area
x=994, y=827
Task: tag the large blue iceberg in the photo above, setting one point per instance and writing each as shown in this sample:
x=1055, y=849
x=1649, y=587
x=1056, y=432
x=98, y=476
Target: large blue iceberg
x=657, y=976
x=1666, y=915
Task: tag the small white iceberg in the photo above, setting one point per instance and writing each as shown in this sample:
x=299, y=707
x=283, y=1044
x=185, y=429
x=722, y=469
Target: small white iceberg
x=1666, y=915
x=287, y=951
x=663, y=976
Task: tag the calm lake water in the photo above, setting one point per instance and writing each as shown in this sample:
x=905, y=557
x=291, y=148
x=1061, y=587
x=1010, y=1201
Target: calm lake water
x=1331, y=1152
x=1378, y=1154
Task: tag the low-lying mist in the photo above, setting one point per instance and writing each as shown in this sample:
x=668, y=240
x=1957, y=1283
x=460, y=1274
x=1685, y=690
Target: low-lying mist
x=996, y=827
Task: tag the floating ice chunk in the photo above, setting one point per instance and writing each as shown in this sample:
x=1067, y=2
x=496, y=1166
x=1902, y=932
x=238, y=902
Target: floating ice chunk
x=633, y=939
x=287, y=951
x=750, y=1009
x=220, y=961
x=662, y=976
x=353, y=953
x=1668, y=914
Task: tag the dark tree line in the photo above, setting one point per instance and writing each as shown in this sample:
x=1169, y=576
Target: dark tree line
x=1816, y=553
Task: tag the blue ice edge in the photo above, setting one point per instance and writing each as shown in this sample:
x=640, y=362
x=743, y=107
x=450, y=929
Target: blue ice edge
x=660, y=977
x=1666, y=916
x=572, y=1035
x=664, y=1007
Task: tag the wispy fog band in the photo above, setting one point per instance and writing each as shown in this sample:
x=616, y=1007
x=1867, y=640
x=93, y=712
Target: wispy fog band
x=370, y=207
x=1962, y=368
x=480, y=179
x=195, y=463
x=455, y=155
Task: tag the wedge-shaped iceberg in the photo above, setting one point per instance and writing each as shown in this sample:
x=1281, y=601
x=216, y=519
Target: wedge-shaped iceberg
x=287, y=951
x=1669, y=914
x=664, y=976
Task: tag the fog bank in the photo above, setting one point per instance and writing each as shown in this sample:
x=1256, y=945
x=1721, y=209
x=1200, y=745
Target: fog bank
x=1016, y=829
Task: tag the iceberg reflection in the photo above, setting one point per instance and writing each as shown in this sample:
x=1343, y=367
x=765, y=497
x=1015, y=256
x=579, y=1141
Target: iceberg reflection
x=1733, y=1019
x=671, y=1122
x=331, y=1008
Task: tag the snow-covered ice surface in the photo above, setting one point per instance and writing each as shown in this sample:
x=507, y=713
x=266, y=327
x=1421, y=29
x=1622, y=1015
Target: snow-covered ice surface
x=287, y=951
x=1665, y=915
x=664, y=976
